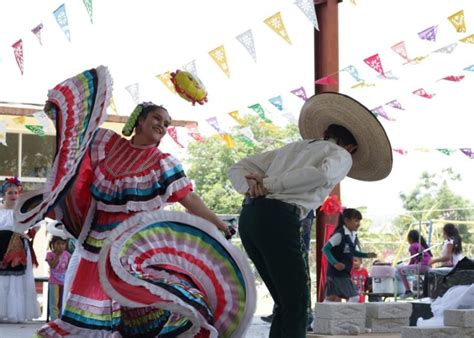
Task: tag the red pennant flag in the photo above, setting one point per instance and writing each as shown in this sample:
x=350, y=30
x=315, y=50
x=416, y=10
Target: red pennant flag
x=196, y=136
x=18, y=50
x=421, y=92
x=400, y=151
x=375, y=63
x=327, y=80
x=454, y=78
x=400, y=49
x=174, y=135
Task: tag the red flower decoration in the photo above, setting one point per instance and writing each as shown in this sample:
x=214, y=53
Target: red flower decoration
x=331, y=205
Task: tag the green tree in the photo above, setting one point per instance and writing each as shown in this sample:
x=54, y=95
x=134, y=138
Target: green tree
x=210, y=160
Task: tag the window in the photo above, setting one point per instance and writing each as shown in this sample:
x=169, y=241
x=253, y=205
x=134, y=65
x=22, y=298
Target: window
x=37, y=155
x=9, y=156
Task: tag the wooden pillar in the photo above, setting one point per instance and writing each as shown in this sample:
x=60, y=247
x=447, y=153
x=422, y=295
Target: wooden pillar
x=326, y=62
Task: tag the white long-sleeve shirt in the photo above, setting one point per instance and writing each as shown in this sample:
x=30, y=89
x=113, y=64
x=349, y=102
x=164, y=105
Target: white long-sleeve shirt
x=302, y=173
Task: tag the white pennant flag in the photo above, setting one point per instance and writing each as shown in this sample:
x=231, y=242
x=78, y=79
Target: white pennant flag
x=44, y=120
x=307, y=6
x=247, y=132
x=246, y=39
x=190, y=67
x=3, y=133
x=134, y=92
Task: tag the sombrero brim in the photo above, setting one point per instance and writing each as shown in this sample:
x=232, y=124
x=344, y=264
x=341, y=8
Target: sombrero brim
x=373, y=159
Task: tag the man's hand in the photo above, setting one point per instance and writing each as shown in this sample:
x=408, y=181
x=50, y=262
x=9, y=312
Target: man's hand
x=372, y=255
x=255, y=183
x=339, y=266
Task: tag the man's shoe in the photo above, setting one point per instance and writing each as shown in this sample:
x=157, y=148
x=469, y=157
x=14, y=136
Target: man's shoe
x=268, y=319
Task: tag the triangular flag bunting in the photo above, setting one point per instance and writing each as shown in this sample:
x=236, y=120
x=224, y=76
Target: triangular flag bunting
x=468, y=39
x=134, y=92
x=400, y=151
x=454, y=78
x=429, y=33
x=416, y=60
x=20, y=119
x=275, y=22
x=375, y=63
x=88, y=4
x=214, y=124
x=113, y=106
x=470, y=68
x=457, y=19
x=327, y=80
x=44, y=120
x=352, y=70
x=197, y=136
x=247, y=132
x=363, y=84
x=400, y=49
x=277, y=101
x=309, y=10
x=37, y=130
x=174, y=135
x=235, y=115
x=447, y=49
x=18, y=50
x=444, y=151
x=388, y=76
x=246, y=39
x=165, y=78
x=395, y=104
x=61, y=19
x=300, y=92
x=468, y=152
x=245, y=140
x=3, y=133
x=229, y=141
x=421, y=92
x=379, y=111
x=257, y=107
x=190, y=67
x=219, y=57
x=37, y=31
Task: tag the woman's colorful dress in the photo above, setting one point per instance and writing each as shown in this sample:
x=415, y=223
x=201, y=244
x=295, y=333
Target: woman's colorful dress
x=143, y=272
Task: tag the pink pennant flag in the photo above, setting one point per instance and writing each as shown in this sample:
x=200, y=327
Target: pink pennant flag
x=37, y=31
x=468, y=152
x=421, y=92
x=454, y=78
x=400, y=49
x=300, y=92
x=395, y=104
x=327, y=80
x=400, y=151
x=174, y=135
x=429, y=33
x=375, y=63
x=196, y=136
x=18, y=50
x=381, y=112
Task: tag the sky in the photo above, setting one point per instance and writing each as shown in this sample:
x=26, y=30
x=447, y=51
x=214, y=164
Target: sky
x=142, y=38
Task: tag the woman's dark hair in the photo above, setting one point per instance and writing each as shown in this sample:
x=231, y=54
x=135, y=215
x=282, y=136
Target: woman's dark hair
x=54, y=240
x=347, y=213
x=414, y=237
x=453, y=233
x=342, y=135
x=147, y=108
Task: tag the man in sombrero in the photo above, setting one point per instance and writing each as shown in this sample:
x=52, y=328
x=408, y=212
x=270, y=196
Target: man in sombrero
x=341, y=138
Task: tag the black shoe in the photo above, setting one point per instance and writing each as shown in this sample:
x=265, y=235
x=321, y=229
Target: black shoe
x=309, y=328
x=407, y=294
x=268, y=319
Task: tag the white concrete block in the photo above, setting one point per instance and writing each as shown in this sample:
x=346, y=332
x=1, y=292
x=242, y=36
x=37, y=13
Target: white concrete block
x=431, y=332
x=467, y=332
x=460, y=318
x=388, y=310
x=346, y=326
x=387, y=325
x=339, y=310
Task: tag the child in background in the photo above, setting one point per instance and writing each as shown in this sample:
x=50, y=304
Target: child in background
x=58, y=260
x=421, y=262
x=451, y=253
x=360, y=277
x=340, y=250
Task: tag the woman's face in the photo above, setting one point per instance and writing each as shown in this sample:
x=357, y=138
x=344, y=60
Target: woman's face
x=11, y=196
x=152, y=128
x=352, y=223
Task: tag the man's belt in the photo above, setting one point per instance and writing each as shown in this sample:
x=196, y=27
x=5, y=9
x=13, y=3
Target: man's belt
x=274, y=202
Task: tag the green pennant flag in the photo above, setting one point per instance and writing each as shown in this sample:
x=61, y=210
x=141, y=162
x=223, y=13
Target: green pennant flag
x=257, y=107
x=444, y=151
x=36, y=129
x=248, y=142
x=88, y=4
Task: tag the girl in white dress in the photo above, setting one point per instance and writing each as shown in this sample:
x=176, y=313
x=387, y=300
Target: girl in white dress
x=451, y=253
x=18, y=299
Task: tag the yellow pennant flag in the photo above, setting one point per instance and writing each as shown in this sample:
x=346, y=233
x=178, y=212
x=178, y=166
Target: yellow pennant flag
x=166, y=79
x=457, y=19
x=468, y=39
x=218, y=55
x=235, y=115
x=363, y=84
x=275, y=22
x=113, y=106
x=20, y=120
x=229, y=140
x=267, y=125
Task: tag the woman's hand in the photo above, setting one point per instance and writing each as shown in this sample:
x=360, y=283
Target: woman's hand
x=340, y=266
x=372, y=255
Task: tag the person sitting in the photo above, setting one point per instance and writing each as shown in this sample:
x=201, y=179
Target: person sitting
x=451, y=253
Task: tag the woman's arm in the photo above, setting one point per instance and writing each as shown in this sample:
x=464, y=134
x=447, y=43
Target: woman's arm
x=446, y=258
x=196, y=206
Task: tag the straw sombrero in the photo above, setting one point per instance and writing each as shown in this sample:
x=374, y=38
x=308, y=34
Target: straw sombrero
x=373, y=159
